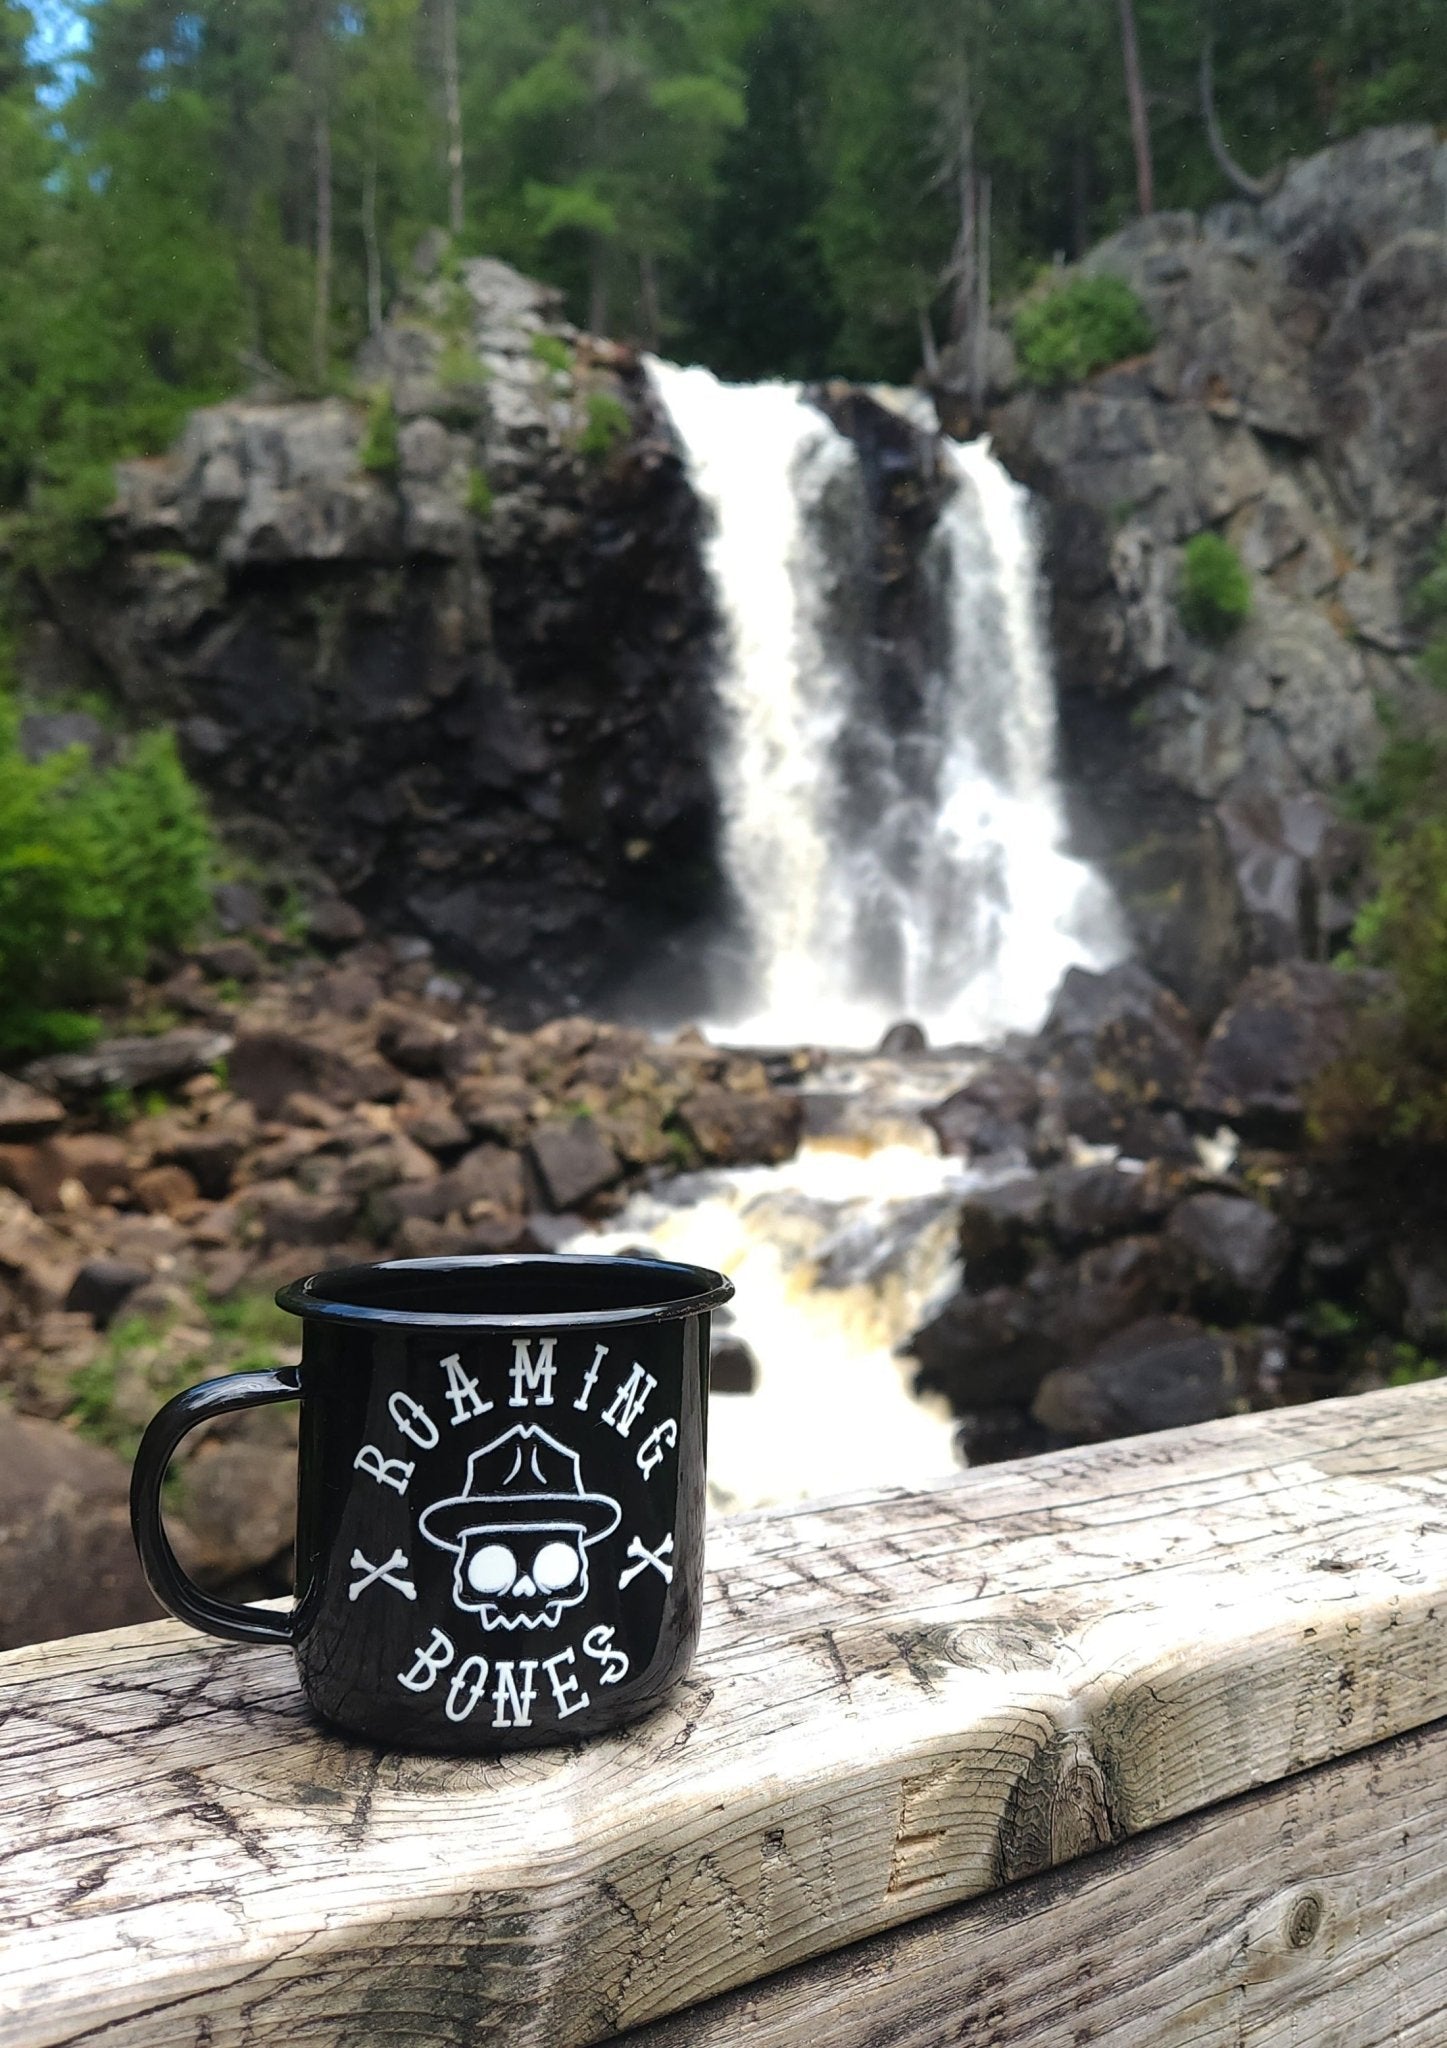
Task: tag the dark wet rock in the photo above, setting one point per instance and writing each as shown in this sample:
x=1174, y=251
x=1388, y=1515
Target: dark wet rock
x=1130, y=1036
x=573, y=1161
x=996, y=1228
x=26, y=1112
x=903, y=1039
x=730, y=1127
x=990, y=1114
x=991, y=1436
x=131, y=1063
x=1232, y=1249
x=67, y=1562
x=1091, y=1202
x=1160, y=1373
x=993, y=1348
x=101, y=1287
x=1284, y=1028
x=732, y=1366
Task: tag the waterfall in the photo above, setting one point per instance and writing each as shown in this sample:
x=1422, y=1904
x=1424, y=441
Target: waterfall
x=880, y=870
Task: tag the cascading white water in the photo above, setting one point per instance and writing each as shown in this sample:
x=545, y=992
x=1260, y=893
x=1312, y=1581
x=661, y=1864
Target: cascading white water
x=879, y=871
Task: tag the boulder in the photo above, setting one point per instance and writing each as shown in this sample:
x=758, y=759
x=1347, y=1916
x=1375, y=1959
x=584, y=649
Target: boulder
x=1162, y=1372
x=903, y=1040
x=288, y=1215
x=1091, y=1202
x=132, y=1063
x=1232, y=1250
x=488, y=1179
x=1286, y=1026
x=67, y=1562
x=1133, y=1037
x=101, y=1287
x=996, y=1227
x=991, y=1113
x=993, y=1349
x=732, y=1129
x=732, y=1366
x=573, y=1161
x=268, y=1064
x=239, y=1499
x=165, y=1190
x=40, y=1263
x=26, y=1113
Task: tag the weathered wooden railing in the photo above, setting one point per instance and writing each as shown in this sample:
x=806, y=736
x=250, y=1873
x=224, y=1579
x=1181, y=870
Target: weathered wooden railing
x=1132, y=1745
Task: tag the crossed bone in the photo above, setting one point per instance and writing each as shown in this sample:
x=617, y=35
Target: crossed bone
x=372, y=1572
x=647, y=1557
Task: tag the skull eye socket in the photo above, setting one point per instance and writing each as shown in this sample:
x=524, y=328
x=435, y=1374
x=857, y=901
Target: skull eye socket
x=491, y=1569
x=555, y=1566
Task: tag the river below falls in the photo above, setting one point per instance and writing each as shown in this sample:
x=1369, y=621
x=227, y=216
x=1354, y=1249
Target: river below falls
x=837, y=1255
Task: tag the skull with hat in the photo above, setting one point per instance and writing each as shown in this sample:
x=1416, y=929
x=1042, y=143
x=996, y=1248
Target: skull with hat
x=520, y=1530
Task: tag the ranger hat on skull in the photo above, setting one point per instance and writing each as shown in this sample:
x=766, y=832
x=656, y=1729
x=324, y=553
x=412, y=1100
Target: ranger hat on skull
x=525, y=1478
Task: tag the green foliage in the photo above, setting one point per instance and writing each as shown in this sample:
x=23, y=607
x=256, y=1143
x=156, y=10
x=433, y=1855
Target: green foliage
x=1078, y=328
x=606, y=425
x=479, y=494
x=379, y=451
x=144, y=1361
x=1429, y=608
x=1409, y=1367
x=1215, y=588
x=1410, y=768
x=552, y=351
x=460, y=364
x=99, y=868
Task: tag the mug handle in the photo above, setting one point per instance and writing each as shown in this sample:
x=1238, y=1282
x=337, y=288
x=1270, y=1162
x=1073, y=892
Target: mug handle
x=164, y=1575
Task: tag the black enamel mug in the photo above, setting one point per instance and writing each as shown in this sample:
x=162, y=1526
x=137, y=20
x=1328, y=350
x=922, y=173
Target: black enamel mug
x=500, y=1495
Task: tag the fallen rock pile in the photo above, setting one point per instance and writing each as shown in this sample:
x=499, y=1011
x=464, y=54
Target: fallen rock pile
x=1158, y=1242
x=156, y=1189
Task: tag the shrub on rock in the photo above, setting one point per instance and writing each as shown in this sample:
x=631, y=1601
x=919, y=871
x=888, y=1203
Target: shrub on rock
x=1215, y=588
x=1081, y=327
x=99, y=867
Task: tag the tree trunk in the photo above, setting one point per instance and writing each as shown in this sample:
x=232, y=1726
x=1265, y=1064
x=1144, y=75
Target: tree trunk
x=452, y=90
x=370, y=243
x=1253, y=188
x=650, y=313
x=598, y=285
x=322, y=306
x=1079, y=198
x=1135, y=92
x=980, y=318
x=962, y=258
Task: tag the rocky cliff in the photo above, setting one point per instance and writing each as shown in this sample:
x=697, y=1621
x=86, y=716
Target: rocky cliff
x=445, y=641
x=1295, y=402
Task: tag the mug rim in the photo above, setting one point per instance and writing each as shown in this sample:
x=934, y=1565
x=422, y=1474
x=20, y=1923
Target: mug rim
x=301, y=1297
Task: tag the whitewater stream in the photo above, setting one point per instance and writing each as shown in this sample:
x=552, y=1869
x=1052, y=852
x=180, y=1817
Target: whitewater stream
x=931, y=883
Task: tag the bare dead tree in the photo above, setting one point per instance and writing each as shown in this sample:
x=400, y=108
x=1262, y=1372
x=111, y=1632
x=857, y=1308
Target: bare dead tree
x=980, y=316
x=371, y=241
x=1135, y=92
x=452, y=97
x=322, y=302
x=1255, y=189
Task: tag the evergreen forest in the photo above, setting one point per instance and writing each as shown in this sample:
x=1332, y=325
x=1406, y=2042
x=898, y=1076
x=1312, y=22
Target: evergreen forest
x=199, y=195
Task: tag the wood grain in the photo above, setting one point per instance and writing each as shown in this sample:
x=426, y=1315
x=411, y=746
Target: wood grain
x=1310, y=1914
x=901, y=1702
